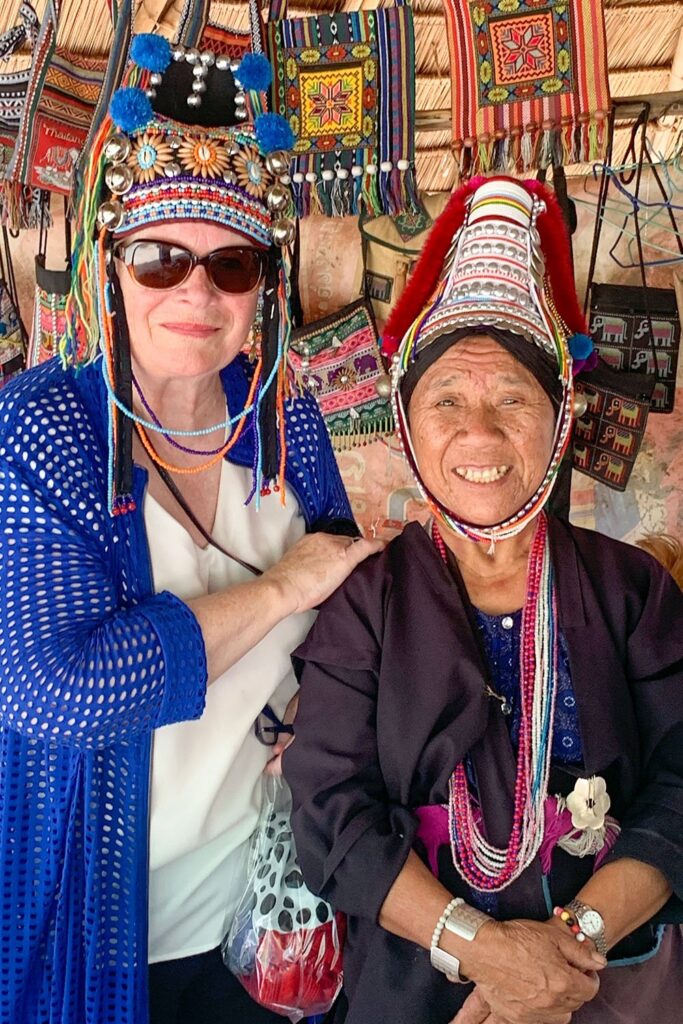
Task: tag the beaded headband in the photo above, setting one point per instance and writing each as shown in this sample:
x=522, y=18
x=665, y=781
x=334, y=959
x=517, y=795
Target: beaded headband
x=484, y=263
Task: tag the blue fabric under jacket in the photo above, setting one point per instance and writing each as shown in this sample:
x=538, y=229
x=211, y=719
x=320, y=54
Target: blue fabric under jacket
x=91, y=661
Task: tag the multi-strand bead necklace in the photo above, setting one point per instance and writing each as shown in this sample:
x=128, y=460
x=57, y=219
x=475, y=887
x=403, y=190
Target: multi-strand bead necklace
x=482, y=865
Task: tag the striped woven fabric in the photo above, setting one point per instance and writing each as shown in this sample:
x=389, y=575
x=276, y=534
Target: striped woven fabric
x=529, y=85
x=346, y=84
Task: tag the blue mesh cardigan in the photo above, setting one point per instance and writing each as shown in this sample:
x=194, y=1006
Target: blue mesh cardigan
x=91, y=661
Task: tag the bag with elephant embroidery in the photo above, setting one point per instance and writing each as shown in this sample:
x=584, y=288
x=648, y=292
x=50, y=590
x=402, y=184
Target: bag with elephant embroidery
x=338, y=360
x=622, y=335
x=285, y=943
x=608, y=435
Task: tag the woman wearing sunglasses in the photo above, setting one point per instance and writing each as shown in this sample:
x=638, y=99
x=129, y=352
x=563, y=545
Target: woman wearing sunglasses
x=148, y=607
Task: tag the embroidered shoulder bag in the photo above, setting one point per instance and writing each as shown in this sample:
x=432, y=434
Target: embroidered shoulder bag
x=346, y=84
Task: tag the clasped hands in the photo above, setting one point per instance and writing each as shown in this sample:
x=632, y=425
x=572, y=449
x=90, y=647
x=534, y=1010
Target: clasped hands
x=528, y=972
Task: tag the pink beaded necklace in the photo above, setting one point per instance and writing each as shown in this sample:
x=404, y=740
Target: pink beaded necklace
x=482, y=865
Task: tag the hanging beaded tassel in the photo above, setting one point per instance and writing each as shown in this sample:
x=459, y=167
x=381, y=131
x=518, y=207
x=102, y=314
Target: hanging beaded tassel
x=483, y=866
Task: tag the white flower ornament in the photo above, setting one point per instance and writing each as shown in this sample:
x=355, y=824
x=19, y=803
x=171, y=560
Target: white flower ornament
x=589, y=802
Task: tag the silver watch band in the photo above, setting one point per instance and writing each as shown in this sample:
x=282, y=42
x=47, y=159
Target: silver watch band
x=591, y=923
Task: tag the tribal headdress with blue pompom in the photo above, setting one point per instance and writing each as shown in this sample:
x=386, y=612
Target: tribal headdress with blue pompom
x=187, y=137
x=497, y=257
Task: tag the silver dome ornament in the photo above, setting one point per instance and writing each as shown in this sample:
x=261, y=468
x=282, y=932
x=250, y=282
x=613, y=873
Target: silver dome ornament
x=235, y=65
x=110, y=215
x=277, y=198
x=172, y=169
x=579, y=404
x=199, y=86
x=117, y=149
x=199, y=71
x=383, y=386
x=241, y=114
x=119, y=179
x=283, y=231
x=232, y=148
x=155, y=79
x=151, y=94
x=174, y=141
x=277, y=162
x=207, y=58
x=194, y=100
x=178, y=52
x=240, y=99
x=223, y=63
x=192, y=56
x=229, y=177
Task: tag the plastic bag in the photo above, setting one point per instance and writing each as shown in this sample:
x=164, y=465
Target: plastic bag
x=285, y=943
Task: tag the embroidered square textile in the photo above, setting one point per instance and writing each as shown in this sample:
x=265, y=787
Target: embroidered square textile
x=346, y=84
x=529, y=83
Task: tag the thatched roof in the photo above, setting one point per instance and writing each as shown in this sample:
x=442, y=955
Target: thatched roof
x=642, y=40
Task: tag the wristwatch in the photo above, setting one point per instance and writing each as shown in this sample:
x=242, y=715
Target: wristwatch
x=591, y=924
x=462, y=920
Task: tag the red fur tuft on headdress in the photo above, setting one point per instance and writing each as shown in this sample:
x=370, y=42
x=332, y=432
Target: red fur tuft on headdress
x=555, y=245
x=427, y=272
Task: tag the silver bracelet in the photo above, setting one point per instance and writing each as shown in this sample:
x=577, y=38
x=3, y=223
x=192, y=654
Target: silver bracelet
x=440, y=959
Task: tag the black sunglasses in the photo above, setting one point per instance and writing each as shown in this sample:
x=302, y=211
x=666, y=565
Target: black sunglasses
x=163, y=265
x=268, y=727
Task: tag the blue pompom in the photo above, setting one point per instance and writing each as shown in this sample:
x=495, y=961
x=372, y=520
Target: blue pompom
x=273, y=133
x=254, y=72
x=151, y=52
x=130, y=109
x=580, y=346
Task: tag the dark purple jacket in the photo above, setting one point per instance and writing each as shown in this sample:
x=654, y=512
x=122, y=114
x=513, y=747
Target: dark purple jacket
x=393, y=697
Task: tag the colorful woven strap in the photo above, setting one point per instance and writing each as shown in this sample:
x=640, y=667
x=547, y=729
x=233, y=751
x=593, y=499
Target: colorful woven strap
x=18, y=169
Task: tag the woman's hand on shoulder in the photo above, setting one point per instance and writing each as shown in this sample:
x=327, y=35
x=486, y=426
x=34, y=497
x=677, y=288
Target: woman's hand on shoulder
x=315, y=566
x=529, y=972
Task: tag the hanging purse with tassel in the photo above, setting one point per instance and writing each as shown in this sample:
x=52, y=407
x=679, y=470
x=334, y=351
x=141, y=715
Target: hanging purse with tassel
x=338, y=360
x=346, y=84
x=52, y=289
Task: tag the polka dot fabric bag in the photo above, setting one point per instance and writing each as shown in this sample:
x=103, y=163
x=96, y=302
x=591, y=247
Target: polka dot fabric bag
x=285, y=944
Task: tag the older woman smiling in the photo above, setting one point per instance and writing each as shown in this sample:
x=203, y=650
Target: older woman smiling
x=476, y=699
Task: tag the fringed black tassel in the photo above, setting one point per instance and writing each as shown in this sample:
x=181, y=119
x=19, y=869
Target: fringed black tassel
x=296, y=308
x=123, y=389
x=268, y=426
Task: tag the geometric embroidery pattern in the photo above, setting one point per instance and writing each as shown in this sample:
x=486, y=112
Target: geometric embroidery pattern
x=331, y=101
x=332, y=98
x=523, y=56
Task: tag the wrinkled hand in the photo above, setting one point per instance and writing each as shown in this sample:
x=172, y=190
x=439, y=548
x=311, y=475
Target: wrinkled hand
x=529, y=972
x=274, y=766
x=475, y=1010
x=315, y=566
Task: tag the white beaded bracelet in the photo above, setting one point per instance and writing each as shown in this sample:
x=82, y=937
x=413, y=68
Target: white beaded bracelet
x=441, y=923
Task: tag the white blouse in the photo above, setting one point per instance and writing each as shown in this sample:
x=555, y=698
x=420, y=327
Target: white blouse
x=206, y=774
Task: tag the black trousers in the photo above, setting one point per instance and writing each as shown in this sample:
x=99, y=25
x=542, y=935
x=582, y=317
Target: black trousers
x=201, y=990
